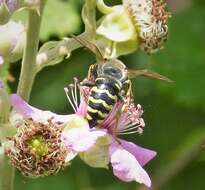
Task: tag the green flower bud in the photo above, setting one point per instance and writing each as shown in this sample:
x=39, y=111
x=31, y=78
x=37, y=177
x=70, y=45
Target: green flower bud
x=12, y=40
x=7, y=7
x=4, y=14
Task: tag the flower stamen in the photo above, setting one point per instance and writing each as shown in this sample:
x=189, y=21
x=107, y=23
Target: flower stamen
x=72, y=94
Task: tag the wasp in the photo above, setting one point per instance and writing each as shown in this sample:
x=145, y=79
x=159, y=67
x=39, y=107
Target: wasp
x=109, y=80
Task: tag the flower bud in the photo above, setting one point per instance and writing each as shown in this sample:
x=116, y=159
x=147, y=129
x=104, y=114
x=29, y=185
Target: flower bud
x=37, y=150
x=12, y=40
x=7, y=7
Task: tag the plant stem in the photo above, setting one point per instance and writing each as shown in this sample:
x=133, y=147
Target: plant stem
x=28, y=70
x=6, y=174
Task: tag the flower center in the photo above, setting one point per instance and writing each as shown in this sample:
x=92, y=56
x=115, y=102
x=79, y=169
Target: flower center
x=38, y=145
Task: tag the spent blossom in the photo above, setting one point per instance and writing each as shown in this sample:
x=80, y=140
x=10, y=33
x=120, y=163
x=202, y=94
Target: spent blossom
x=101, y=145
x=36, y=149
x=134, y=23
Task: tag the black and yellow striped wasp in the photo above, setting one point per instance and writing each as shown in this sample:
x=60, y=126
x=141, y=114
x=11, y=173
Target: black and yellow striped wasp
x=109, y=80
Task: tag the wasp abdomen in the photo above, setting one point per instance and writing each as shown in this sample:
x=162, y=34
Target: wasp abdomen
x=101, y=100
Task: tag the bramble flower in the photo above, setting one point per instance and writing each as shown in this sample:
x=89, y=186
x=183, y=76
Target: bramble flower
x=134, y=23
x=36, y=149
x=12, y=40
x=100, y=145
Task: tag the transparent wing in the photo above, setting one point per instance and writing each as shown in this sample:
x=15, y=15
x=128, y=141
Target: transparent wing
x=146, y=73
x=90, y=46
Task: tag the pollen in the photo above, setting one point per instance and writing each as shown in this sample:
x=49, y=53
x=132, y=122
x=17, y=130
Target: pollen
x=37, y=150
x=151, y=20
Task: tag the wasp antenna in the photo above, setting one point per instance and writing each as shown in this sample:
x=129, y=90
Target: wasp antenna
x=90, y=46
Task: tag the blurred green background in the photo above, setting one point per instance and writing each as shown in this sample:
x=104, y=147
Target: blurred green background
x=174, y=113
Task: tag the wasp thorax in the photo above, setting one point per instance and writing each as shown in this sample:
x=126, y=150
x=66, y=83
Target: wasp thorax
x=113, y=68
x=37, y=150
x=151, y=19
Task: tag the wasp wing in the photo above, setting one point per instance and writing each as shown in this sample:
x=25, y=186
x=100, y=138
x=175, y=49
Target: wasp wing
x=146, y=73
x=90, y=46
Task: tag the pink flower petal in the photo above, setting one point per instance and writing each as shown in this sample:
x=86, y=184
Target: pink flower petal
x=81, y=139
x=126, y=167
x=28, y=111
x=142, y=155
x=82, y=109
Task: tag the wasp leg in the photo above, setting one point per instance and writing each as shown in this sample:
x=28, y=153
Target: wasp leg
x=118, y=114
x=127, y=97
x=87, y=83
x=129, y=91
x=90, y=72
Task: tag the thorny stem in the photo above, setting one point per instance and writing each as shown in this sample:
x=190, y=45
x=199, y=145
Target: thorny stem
x=28, y=70
x=67, y=46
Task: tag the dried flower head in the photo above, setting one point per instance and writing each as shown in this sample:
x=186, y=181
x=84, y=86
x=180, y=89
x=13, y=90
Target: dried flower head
x=133, y=24
x=151, y=19
x=37, y=150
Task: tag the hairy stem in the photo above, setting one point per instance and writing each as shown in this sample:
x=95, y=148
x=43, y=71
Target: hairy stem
x=28, y=70
x=56, y=54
